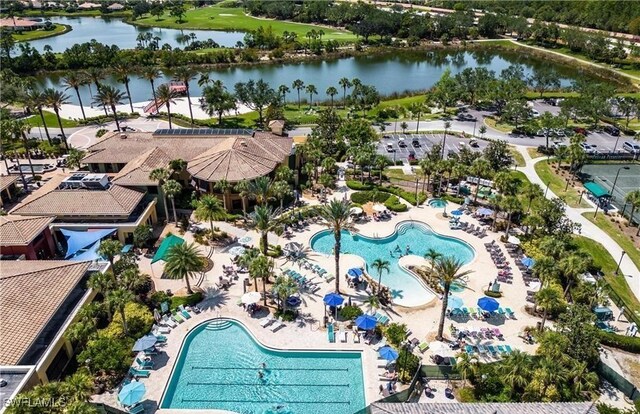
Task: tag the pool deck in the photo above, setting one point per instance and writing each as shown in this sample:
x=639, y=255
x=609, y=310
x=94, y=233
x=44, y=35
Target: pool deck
x=307, y=333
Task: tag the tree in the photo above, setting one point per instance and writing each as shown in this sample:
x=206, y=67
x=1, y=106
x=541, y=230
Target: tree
x=577, y=323
x=117, y=299
x=447, y=272
x=337, y=215
x=480, y=168
x=184, y=261
x=572, y=267
x=281, y=189
x=178, y=10
x=224, y=187
x=331, y=91
x=404, y=126
x=142, y=235
x=633, y=198
x=242, y=188
x=515, y=370
x=380, y=265
x=311, y=90
x=510, y=204
x=284, y=286
x=531, y=191
x=345, y=83
x=283, y=90
x=262, y=268
x=185, y=74
x=548, y=122
x=172, y=188
x=109, y=96
x=256, y=96
x=549, y=299
x=217, y=100
x=417, y=108
x=246, y=259
x=157, y=10
x=34, y=99
x=151, y=73
x=208, y=208
x=544, y=79
x=466, y=364
x=109, y=249
x=260, y=189
x=161, y=175
x=263, y=219
x=298, y=85
x=73, y=80
x=445, y=92
x=55, y=99
x=166, y=96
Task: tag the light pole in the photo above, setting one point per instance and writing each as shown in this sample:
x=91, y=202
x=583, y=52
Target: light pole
x=620, y=262
x=616, y=144
x=474, y=127
x=417, y=200
x=616, y=180
x=547, y=189
x=581, y=194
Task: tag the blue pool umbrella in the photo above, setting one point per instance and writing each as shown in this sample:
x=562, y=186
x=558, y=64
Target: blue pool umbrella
x=366, y=322
x=527, y=261
x=145, y=342
x=456, y=213
x=131, y=393
x=488, y=304
x=484, y=211
x=454, y=302
x=388, y=353
x=333, y=299
x=354, y=272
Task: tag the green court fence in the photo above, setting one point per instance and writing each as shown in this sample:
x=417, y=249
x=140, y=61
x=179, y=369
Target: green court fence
x=628, y=313
x=440, y=372
x=618, y=381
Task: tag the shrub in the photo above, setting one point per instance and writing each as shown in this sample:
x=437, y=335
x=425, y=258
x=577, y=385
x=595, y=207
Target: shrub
x=101, y=132
x=492, y=294
x=157, y=298
x=363, y=197
x=287, y=316
x=465, y=395
x=139, y=321
x=395, y=333
x=409, y=196
x=350, y=312
x=107, y=354
x=394, y=204
x=407, y=365
x=358, y=186
x=626, y=343
x=190, y=300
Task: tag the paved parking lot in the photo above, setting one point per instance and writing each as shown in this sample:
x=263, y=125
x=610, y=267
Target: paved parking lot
x=424, y=141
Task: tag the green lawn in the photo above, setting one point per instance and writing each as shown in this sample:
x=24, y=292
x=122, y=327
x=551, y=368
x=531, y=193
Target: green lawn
x=612, y=230
x=557, y=185
x=234, y=19
x=58, y=29
x=493, y=123
x=517, y=157
x=51, y=120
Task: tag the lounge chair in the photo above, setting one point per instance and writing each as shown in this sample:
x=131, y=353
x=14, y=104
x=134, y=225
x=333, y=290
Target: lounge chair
x=511, y=314
x=143, y=373
x=497, y=333
x=342, y=334
x=267, y=321
x=193, y=309
x=381, y=344
x=501, y=311
x=507, y=349
x=183, y=312
x=144, y=364
x=276, y=325
x=176, y=317
x=136, y=409
x=423, y=347
x=331, y=334
x=469, y=349
x=356, y=337
x=481, y=349
x=158, y=330
x=150, y=352
x=161, y=338
x=169, y=322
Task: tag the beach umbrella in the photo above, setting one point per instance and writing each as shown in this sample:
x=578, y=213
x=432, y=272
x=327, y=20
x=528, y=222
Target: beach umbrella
x=355, y=211
x=245, y=240
x=456, y=213
x=250, y=298
x=333, y=299
x=366, y=322
x=132, y=393
x=484, y=211
x=488, y=304
x=293, y=247
x=379, y=208
x=293, y=301
x=527, y=261
x=145, y=342
x=513, y=240
x=388, y=353
x=354, y=272
x=236, y=251
x=454, y=302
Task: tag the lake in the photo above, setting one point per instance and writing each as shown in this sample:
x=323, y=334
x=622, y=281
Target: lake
x=116, y=32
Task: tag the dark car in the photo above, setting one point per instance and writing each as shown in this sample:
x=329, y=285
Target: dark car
x=412, y=156
x=402, y=144
x=415, y=143
x=611, y=130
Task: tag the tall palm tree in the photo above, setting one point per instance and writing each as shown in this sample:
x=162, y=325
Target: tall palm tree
x=331, y=91
x=110, y=96
x=242, y=188
x=131, y=279
x=284, y=286
x=281, y=189
x=185, y=74
x=121, y=72
x=345, y=83
x=19, y=129
x=117, y=300
x=172, y=188
x=224, y=187
x=583, y=381
x=260, y=189
x=109, y=249
x=298, y=85
x=427, y=168
x=546, y=269
x=161, y=175
x=246, y=259
x=466, y=364
x=480, y=168
x=548, y=298
x=262, y=267
x=209, y=208
x=380, y=265
x=531, y=192
x=633, y=198
x=372, y=302
x=74, y=80
x=95, y=75
x=204, y=80
x=572, y=267
x=515, y=370
x=432, y=255
x=417, y=108
x=311, y=90
x=283, y=90
x=166, y=96
x=510, y=205
x=447, y=272
x=447, y=127
x=151, y=73
x=55, y=99
x=337, y=215
x=263, y=219
x=184, y=261
x=35, y=100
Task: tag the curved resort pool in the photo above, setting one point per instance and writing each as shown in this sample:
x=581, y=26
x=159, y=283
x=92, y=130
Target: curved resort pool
x=437, y=203
x=218, y=369
x=406, y=289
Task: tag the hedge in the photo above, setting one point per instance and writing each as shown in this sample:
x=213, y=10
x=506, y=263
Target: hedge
x=363, y=197
x=409, y=196
x=626, y=343
x=394, y=204
x=358, y=186
x=186, y=300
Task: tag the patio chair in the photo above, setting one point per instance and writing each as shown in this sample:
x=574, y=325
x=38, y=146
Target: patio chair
x=142, y=373
x=155, y=329
x=497, y=333
x=492, y=350
x=177, y=318
x=183, y=312
x=423, y=347
x=161, y=338
x=150, y=352
x=342, y=334
x=501, y=349
x=481, y=349
x=511, y=314
x=507, y=349
x=277, y=325
x=144, y=364
x=169, y=322
x=469, y=349
x=267, y=321
x=501, y=311
x=136, y=409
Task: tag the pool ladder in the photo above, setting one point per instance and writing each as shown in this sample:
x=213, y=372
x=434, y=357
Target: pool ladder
x=218, y=325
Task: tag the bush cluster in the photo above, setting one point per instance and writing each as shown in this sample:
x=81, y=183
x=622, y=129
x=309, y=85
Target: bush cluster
x=626, y=343
x=394, y=204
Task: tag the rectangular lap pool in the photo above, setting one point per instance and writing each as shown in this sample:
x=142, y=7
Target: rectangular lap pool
x=220, y=367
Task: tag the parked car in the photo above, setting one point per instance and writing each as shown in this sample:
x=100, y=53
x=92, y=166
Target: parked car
x=402, y=143
x=412, y=156
x=390, y=148
x=611, y=130
x=632, y=147
x=415, y=143
x=473, y=143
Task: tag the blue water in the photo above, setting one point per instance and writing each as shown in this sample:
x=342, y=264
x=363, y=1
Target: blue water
x=437, y=203
x=406, y=289
x=218, y=369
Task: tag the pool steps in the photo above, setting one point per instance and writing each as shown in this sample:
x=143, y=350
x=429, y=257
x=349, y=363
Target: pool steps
x=218, y=325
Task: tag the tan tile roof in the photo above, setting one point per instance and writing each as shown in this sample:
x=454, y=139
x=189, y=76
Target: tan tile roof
x=240, y=158
x=116, y=201
x=21, y=230
x=30, y=293
x=137, y=171
x=7, y=180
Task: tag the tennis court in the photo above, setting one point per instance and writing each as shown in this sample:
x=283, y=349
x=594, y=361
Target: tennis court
x=628, y=179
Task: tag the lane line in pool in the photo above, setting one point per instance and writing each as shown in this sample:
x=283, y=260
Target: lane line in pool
x=274, y=369
x=270, y=402
x=270, y=385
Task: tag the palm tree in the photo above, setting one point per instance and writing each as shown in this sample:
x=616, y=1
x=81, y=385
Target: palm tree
x=281, y=189
x=446, y=272
x=583, y=381
x=185, y=74
x=298, y=85
x=151, y=73
x=117, y=300
x=447, y=126
x=74, y=81
x=34, y=100
x=510, y=205
x=184, y=261
x=417, y=108
x=172, y=188
x=545, y=269
x=263, y=219
x=204, y=80
x=530, y=192
x=432, y=255
x=372, y=302
x=561, y=153
x=242, y=188
x=479, y=168
x=131, y=279
x=103, y=283
x=572, y=267
x=380, y=265
x=515, y=370
x=224, y=187
x=633, y=198
x=311, y=90
x=345, y=83
x=331, y=91
x=337, y=215
x=19, y=129
x=427, y=168
x=161, y=175
x=246, y=259
x=209, y=208
x=260, y=189
x=283, y=90
x=166, y=96
x=122, y=75
x=262, y=268
x=466, y=364
x=109, y=96
x=79, y=386
x=548, y=298
x=109, y=249
x=55, y=99
x=284, y=286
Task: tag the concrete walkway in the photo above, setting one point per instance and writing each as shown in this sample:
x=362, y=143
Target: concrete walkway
x=590, y=230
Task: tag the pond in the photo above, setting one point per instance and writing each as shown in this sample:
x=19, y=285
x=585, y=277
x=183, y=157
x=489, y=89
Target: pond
x=393, y=72
x=116, y=32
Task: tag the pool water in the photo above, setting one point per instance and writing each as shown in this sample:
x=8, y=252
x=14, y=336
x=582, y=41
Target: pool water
x=218, y=369
x=405, y=288
x=437, y=203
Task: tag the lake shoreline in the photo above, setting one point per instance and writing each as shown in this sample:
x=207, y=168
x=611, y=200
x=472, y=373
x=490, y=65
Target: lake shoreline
x=67, y=29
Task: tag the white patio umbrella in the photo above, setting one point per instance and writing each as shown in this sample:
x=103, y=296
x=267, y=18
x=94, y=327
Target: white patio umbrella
x=513, y=240
x=379, y=208
x=356, y=210
x=251, y=297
